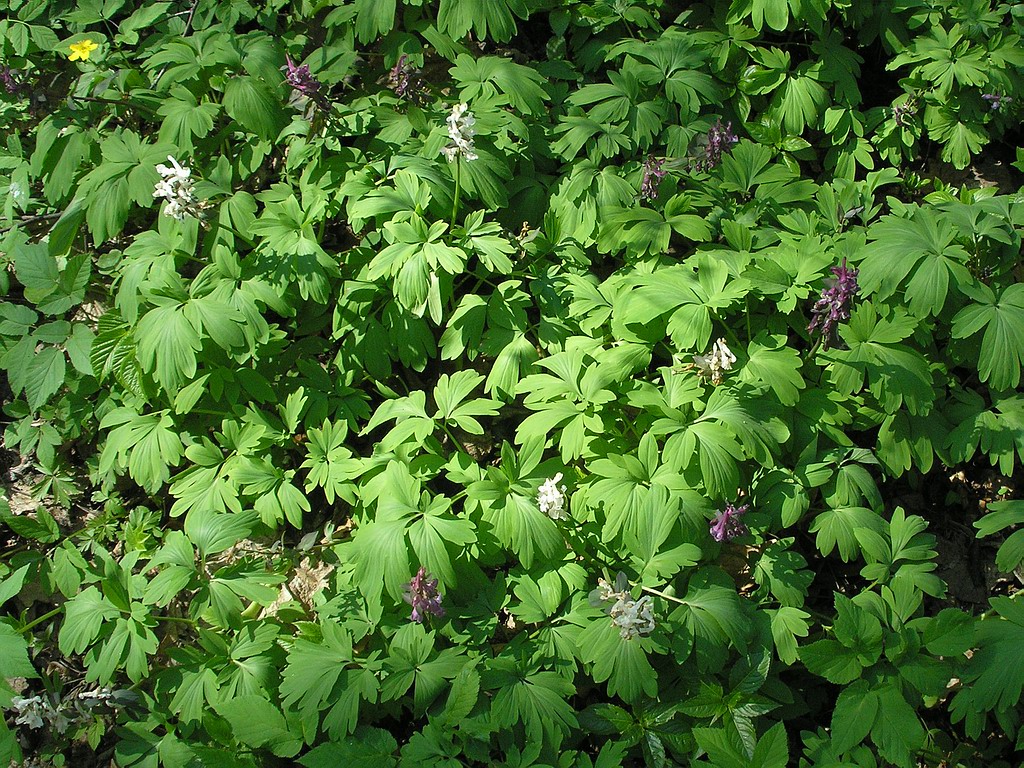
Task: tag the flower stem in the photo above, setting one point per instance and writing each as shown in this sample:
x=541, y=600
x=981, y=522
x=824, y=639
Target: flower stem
x=458, y=189
x=41, y=619
x=659, y=593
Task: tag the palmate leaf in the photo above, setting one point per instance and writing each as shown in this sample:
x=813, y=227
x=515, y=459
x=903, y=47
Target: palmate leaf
x=148, y=445
x=712, y=613
x=167, y=344
x=994, y=678
x=256, y=722
x=839, y=526
x=1002, y=346
x=254, y=106
x=678, y=64
x=185, y=118
x=326, y=677
x=623, y=663
x=603, y=140
x=773, y=364
x=689, y=292
x=923, y=244
x=800, y=100
x=897, y=376
x=374, y=18
x=126, y=175
x=489, y=19
x=536, y=700
x=489, y=75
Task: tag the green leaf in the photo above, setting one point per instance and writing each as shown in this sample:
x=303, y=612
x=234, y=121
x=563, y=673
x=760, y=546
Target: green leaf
x=489, y=19
x=1002, y=346
x=374, y=18
x=839, y=526
x=897, y=731
x=853, y=716
x=462, y=698
x=772, y=750
x=254, y=106
x=84, y=616
x=787, y=625
x=623, y=663
x=831, y=660
x=167, y=345
x=773, y=364
x=256, y=722
x=45, y=376
x=14, y=661
x=950, y=633
x=366, y=748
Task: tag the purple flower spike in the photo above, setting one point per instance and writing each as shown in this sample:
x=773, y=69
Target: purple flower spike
x=404, y=80
x=720, y=140
x=300, y=78
x=421, y=593
x=727, y=525
x=11, y=82
x=996, y=101
x=653, y=174
x=834, y=305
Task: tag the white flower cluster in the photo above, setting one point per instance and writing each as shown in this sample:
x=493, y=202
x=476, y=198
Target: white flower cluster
x=551, y=498
x=461, y=131
x=714, y=364
x=178, y=189
x=37, y=711
x=632, y=617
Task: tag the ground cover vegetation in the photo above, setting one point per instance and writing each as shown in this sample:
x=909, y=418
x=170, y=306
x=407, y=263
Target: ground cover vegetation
x=511, y=383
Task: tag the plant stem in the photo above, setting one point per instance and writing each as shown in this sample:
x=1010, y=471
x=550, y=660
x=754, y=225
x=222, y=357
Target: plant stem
x=458, y=189
x=41, y=619
x=179, y=619
x=659, y=593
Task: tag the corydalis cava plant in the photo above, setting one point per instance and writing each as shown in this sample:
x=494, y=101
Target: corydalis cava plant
x=714, y=364
x=631, y=617
x=422, y=594
x=653, y=173
x=834, y=305
x=300, y=78
x=727, y=524
x=719, y=140
x=461, y=130
x=178, y=190
x=551, y=498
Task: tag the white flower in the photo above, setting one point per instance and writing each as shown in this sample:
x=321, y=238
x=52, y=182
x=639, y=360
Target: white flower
x=633, y=617
x=30, y=711
x=178, y=189
x=461, y=131
x=712, y=365
x=551, y=498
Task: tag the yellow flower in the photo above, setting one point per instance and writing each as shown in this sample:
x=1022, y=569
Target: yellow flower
x=81, y=50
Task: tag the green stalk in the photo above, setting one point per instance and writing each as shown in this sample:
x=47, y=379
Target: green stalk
x=41, y=619
x=458, y=189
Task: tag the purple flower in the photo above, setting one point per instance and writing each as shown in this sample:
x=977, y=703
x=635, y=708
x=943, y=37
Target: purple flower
x=300, y=78
x=901, y=113
x=996, y=101
x=653, y=174
x=404, y=79
x=727, y=525
x=834, y=305
x=12, y=83
x=421, y=593
x=720, y=139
